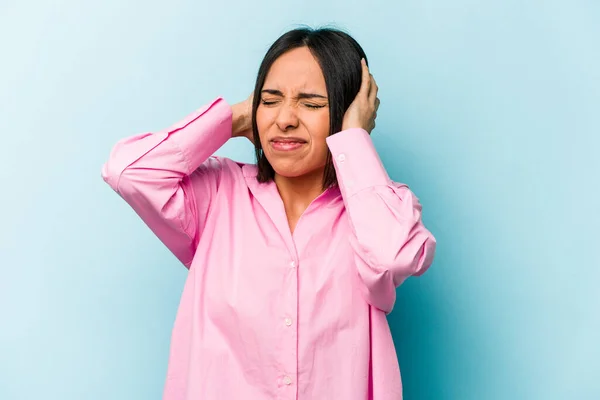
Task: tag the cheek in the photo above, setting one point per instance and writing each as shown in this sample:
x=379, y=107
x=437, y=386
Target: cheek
x=319, y=130
x=264, y=120
x=261, y=118
x=320, y=123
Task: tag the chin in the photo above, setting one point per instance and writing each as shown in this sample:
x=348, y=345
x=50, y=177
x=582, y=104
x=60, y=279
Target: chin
x=288, y=171
x=294, y=170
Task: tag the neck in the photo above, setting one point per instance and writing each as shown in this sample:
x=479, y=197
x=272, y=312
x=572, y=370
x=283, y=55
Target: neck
x=298, y=192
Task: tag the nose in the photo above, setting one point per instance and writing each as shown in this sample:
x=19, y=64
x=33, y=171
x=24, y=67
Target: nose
x=287, y=117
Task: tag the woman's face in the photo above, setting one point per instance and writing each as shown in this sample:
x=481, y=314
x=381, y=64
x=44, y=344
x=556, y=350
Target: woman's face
x=293, y=115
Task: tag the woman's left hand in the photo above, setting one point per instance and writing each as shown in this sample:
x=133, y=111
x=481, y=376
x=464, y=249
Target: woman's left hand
x=363, y=110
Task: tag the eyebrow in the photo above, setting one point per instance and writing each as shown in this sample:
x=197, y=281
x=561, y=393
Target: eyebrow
x=300, y=95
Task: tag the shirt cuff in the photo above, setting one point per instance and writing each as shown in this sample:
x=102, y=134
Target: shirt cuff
x=203, y=132
x=356, y=161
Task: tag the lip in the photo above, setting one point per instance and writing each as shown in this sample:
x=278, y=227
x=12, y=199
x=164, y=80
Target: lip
x=287, y=143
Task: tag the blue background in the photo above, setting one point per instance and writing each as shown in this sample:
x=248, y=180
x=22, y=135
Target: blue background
x=490, y=112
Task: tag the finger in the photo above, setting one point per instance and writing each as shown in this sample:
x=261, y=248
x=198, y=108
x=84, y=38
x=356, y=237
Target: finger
x=377, y=103
x=373, y=90
x=366, y=78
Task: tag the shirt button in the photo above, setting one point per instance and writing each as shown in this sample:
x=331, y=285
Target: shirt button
x=288, y=321
x=293, y=264
x=342, y=157
x=287, y=380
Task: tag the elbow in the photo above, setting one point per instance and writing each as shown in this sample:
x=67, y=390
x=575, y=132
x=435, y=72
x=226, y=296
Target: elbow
x=113, y=168
x=115, y=175
x=132, y=187
x=425, y=257
x=110, y=175
x=412, y=258
x=381, y=273
x=119, y=170
x=377, y=288
x=119, y=175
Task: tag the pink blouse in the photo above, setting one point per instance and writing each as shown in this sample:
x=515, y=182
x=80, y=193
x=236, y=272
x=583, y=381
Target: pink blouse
x=267, y=314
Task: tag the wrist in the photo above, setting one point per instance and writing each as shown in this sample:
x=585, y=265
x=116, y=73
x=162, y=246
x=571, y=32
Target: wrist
x=240, y=119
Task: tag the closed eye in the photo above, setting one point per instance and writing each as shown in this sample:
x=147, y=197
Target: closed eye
x=273, y=102
x=313, y=106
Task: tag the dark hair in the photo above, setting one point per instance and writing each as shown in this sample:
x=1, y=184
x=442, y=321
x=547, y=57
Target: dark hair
x=339, y=56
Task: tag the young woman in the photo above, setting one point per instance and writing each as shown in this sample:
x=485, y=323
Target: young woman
x=293, y=262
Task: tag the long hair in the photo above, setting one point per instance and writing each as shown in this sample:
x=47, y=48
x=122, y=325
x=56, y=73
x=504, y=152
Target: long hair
x=338, y=55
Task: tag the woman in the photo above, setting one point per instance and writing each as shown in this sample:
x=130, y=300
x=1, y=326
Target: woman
x=293, y=262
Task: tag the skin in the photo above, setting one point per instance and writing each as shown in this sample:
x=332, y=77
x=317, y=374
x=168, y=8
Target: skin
x=294, y=104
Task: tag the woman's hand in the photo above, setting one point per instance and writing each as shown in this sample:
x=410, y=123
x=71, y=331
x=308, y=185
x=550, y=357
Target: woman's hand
x=242, y=119
x=363, y=110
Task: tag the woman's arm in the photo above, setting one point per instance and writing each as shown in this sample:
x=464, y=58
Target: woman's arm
x=168, y=178
x=389, y=239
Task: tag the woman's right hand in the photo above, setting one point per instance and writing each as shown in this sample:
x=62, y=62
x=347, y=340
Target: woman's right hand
x=242, y=119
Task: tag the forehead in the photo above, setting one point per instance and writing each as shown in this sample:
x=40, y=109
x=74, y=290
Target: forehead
x=296, y=70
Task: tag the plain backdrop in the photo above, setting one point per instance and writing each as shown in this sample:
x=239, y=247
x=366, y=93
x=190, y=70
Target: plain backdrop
x=490, y=112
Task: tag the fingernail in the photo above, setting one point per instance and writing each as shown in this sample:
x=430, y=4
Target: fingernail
x=362, y=61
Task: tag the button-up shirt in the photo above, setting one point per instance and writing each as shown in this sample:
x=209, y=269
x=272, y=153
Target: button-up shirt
x=267, y=314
